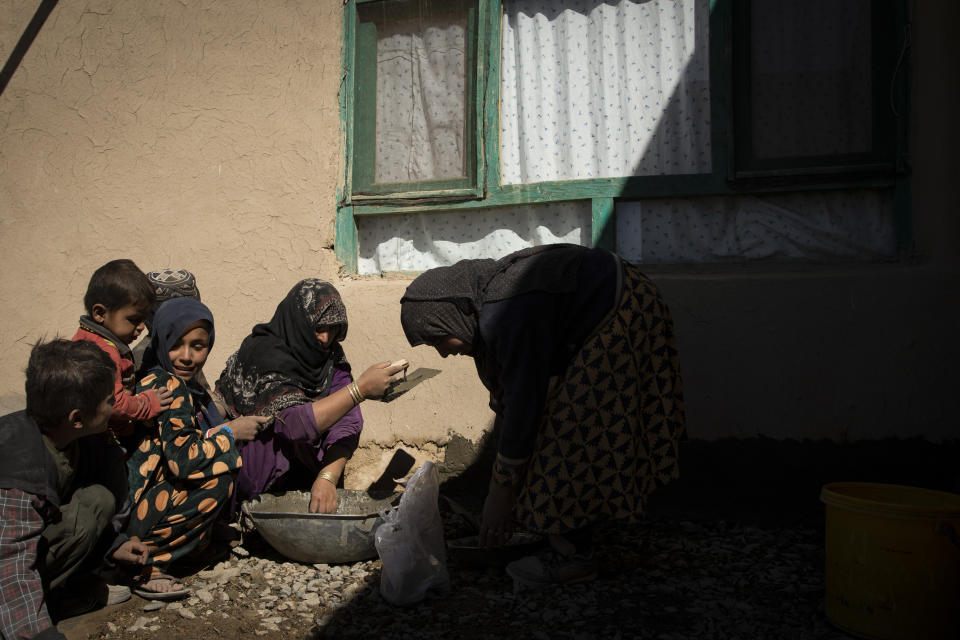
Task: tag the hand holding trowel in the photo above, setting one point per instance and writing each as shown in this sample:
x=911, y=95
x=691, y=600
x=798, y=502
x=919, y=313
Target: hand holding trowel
x=409, y=381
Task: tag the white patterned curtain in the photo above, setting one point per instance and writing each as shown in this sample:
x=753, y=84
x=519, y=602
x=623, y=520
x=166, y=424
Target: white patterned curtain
x=825, y=225
x=594, y=89
x=421, y=90
x=615, y=88
x=414, y=242
x=810, y=78
x=588, y=89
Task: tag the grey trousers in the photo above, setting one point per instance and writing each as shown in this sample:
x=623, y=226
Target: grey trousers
x=72, y=540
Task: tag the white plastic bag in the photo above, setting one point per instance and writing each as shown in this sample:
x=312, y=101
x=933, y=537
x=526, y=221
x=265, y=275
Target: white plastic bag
x=410, y=542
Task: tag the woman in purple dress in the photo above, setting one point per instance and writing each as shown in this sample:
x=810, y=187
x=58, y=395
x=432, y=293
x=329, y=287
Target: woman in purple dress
x=293, y=369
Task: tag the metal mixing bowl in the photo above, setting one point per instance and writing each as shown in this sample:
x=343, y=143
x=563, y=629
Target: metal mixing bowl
x=347, y=535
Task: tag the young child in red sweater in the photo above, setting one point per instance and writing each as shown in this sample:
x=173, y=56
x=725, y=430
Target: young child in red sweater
x=118, y=299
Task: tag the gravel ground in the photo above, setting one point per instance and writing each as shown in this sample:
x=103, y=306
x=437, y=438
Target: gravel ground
x=673, y=575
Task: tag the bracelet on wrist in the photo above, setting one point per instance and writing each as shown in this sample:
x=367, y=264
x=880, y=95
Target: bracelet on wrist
x=355, y=393
x=508, y=474
x=213, y=431
x=329, y=477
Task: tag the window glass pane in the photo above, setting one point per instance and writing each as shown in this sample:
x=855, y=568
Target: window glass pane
x=414, y=242
x=421, y=90
x=810, y=72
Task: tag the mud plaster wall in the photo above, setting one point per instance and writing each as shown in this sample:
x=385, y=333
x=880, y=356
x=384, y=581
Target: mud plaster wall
x=203, y=135
x=207, y=135
x=422, y=422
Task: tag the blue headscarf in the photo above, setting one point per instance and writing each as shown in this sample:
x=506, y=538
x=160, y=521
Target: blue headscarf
x=171, y=321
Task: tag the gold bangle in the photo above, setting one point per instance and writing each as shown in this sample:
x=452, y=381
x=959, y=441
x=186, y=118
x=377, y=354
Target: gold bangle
x=355, y=393
x=329, y=477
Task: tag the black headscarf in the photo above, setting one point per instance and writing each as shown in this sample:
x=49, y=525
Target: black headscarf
x=170, y=322
x=281, y=363
x=446, y=301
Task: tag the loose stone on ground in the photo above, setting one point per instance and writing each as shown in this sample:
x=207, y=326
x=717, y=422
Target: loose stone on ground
x=663, y=578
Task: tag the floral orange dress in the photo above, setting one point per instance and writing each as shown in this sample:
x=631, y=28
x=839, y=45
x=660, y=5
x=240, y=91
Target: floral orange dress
x=179, y=479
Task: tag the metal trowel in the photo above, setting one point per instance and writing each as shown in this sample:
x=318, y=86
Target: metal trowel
x=409, y=381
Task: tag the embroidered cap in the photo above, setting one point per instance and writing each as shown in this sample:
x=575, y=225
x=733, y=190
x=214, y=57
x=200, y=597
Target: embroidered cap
x=174, y=283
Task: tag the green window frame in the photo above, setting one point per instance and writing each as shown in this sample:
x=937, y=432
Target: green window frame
x=363, y=86
x=879, y=160
x=723, y=179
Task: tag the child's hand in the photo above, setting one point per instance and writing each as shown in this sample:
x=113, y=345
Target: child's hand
x=165, y=396
x=247, y=427
x=131, y=552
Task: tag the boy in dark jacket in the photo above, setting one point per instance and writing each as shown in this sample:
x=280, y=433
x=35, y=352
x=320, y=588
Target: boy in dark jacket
x=61, y=482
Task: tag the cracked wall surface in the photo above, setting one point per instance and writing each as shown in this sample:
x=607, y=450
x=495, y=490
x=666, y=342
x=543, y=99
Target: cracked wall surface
x=203, y=135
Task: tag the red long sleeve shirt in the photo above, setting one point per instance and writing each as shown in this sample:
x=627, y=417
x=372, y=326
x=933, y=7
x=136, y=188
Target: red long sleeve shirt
x=128, y=407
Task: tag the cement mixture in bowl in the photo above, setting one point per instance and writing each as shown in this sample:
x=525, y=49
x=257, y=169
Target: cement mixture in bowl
x=347, y=535
x=351, y=502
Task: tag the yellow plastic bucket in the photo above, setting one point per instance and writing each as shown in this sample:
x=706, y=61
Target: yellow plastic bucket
x=892, y=561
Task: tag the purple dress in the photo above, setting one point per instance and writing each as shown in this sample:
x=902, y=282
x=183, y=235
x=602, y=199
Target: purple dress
x=293, y=441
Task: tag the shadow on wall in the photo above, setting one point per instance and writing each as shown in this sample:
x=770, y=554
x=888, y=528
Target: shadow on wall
x=26, y=39
x=400, y=465
x=769, y=481
x=753, y=480
x=749, y=480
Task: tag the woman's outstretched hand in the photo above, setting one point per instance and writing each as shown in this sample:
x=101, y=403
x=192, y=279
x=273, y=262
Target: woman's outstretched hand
x=375, y=381
x=247, y=427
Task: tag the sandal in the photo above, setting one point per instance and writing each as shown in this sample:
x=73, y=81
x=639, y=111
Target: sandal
x=141, y=581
